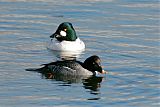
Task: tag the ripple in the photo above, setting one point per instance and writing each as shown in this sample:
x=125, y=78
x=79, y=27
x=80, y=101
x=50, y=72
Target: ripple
x=124, y=34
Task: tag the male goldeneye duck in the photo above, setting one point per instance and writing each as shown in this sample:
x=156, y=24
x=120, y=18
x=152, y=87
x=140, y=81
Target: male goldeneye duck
x=65, y=39
x=91, y=66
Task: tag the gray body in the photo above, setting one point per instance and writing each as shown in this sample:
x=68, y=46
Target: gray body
x=68, y=68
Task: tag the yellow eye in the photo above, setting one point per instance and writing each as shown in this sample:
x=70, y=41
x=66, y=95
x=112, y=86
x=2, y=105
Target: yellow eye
x=65, y=29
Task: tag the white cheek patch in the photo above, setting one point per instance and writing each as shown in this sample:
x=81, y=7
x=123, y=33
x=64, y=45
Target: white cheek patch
x=63, y=33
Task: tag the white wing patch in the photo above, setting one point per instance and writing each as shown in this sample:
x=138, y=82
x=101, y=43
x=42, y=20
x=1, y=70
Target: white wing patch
x=68, y=68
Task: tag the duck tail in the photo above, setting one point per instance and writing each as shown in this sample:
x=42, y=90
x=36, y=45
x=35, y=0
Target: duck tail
x=35, y=69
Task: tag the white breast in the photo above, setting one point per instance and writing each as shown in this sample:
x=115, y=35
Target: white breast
x=77, y=45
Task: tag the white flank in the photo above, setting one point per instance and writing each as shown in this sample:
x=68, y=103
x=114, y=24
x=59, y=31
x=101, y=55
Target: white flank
x=77, y=45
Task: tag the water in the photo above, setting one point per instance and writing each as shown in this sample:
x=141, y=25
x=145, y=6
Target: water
x=124, y=33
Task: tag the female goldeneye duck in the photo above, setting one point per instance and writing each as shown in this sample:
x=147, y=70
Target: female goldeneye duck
x=91, y=66
x=65, y=39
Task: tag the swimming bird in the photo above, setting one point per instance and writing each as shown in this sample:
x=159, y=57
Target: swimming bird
x=65, y=39
x=91, y=66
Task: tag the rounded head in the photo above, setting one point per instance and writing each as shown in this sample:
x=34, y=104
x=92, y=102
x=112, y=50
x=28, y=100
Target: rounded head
x=65, y=31
x=93, y=64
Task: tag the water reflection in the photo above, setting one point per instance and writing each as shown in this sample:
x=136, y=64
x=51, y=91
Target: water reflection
x=93, y=83
x=66, y=55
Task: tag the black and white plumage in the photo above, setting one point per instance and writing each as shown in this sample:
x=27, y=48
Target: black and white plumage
x=66, y=68
x=72, y=67
x=65, y=39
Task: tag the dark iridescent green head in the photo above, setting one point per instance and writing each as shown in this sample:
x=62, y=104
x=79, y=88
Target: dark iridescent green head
x=65, y=31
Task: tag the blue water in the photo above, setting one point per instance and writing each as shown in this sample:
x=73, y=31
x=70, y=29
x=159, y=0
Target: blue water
x=124, y=33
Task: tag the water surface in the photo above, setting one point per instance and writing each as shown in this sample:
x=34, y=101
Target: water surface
x=124, y=33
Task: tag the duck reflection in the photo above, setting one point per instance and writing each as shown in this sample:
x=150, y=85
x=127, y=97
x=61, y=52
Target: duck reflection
x=93, y=83
x=66, y=55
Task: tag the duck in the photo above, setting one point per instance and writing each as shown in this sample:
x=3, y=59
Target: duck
x=90, y=67
x=65, y=39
